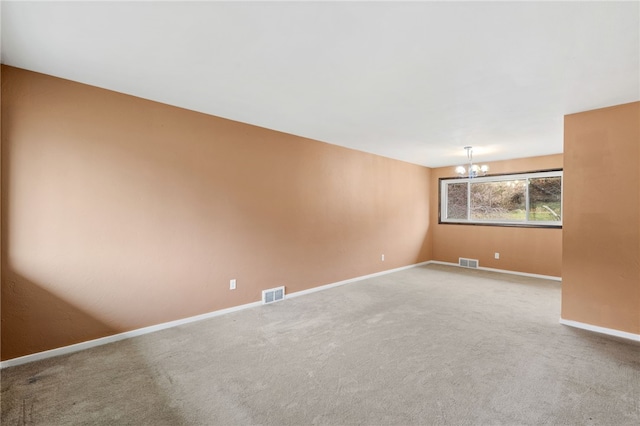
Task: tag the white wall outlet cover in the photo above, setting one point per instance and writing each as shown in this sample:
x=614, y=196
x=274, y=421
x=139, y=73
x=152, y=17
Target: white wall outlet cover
x=232, y=284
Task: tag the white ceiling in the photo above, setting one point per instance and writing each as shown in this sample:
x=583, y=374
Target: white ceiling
x=414, y=81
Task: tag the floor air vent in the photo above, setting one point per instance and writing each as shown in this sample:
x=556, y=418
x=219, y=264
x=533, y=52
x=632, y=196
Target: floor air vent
x=272, y=295
x=468, y=263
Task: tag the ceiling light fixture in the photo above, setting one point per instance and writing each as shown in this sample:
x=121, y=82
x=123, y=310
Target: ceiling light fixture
x=474, y=170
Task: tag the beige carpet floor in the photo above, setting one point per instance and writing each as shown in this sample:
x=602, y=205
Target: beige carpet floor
x=432, y=345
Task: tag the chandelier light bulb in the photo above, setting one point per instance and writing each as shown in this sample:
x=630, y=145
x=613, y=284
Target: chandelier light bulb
x=474, y=169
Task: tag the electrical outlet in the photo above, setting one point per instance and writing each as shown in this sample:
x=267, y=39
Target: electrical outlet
x=383, y=257
x=232, y=284
x=497, y=255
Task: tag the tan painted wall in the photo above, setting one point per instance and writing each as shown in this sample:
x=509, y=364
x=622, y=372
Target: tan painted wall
x=601, y=271
x=120, y=213
x=530, y=250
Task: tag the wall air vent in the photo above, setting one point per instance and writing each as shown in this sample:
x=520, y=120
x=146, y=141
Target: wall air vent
x=468, y=263
x=272, y=295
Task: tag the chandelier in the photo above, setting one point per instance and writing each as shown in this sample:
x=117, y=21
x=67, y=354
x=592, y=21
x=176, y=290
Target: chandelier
x=474, y=170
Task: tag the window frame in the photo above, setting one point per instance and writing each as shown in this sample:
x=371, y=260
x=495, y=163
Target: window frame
x=442, y=199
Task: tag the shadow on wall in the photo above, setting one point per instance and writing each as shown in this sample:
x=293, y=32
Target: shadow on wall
x=94, y=377
x=65, y=323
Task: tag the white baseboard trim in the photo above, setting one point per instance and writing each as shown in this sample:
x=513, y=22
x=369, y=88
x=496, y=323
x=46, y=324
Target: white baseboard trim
x=120, y=336
x=601, y=330
x=502, y=271
x=352, y=280
x=146, y=330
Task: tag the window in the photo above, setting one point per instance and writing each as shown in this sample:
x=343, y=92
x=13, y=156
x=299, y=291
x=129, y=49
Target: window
x=526, y=199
